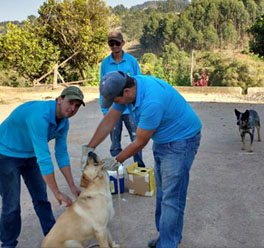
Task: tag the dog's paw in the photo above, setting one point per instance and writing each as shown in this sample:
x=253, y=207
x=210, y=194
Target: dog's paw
x=115, y=245
x=243, y=148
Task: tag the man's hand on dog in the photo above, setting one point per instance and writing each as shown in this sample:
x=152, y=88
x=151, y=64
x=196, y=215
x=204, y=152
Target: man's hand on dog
x=84, y=157
x=61, y=197
x=110, y=164
x=75, y=190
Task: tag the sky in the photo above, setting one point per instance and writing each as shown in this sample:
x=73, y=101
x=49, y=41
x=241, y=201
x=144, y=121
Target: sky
x=19, y=10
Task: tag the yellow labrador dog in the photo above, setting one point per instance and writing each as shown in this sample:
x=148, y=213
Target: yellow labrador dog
x=89, y=215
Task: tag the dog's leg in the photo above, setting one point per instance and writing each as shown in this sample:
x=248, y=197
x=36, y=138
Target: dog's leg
x=112, y=243
x=72, y=244
x=102, y=237
x=258, y=131
x=243, y=141
x=251, y=141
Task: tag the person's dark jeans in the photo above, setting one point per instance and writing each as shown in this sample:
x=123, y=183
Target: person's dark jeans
x=10, y=171
x=173, y=162
x=116, y=133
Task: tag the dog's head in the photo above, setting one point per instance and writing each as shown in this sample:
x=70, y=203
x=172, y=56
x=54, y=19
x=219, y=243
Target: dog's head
x=92, y=171
x=242, y=118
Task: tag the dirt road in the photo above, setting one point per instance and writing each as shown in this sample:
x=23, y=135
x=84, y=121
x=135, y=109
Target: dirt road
x=225, y=199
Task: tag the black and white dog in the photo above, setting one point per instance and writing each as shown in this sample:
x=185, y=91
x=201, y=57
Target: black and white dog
x=247, y=122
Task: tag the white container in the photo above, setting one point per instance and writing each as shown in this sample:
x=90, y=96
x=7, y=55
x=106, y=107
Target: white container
x=113, y=180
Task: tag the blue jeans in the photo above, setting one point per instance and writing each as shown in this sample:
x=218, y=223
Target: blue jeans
x=115, y=136
x=173, y=162
x=10, y=223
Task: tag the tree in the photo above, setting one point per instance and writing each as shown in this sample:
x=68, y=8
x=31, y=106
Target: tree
x=78, y=25
x=132, y=24
x=148, y=63
x=185, y=35
x=176, y=65
x=120, y=10
x=257, y=31
x=210, y=38
x=27, y=51
x=260, y=4
x=252, y=8
x=225, y=16
x=152, y=37
x=172, y=5
x=229, y=33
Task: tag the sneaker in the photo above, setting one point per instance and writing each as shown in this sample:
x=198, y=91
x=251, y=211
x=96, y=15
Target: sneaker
x=153, y=243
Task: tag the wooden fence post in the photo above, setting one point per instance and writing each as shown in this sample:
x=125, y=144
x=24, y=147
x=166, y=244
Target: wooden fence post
x=55, y=78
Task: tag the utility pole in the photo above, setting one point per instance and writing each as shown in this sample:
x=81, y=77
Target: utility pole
x=191, y=76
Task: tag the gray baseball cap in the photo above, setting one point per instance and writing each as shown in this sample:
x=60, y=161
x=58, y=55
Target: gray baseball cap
x=111, y=85
x=73, y=93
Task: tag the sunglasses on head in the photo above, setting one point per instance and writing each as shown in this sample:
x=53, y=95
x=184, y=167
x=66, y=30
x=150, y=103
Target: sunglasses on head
x=111, y=43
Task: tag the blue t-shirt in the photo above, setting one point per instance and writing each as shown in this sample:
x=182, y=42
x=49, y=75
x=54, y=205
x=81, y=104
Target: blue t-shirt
x=160, y=107
x=27, y=131
x=128, y=65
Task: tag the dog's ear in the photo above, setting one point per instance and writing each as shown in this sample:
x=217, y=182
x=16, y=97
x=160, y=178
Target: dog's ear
x=237, y=113
x=84, y=181
x=245, y=116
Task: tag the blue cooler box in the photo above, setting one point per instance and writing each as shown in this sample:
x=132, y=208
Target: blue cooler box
x=113, y=180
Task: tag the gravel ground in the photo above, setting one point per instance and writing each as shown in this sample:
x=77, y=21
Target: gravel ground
x=225, y=199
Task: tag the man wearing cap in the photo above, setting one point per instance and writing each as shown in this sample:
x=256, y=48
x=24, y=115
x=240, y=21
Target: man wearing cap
x=118, y=60
x=164, y=116
x=24, y=151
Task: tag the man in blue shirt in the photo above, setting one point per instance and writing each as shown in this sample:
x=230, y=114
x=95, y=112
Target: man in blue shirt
x=164, y=116
x=24, y=151
x=118, y=60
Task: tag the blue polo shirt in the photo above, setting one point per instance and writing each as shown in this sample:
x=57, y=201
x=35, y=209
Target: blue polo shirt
x=128, y=65
x=160, y=107
x=27, y=131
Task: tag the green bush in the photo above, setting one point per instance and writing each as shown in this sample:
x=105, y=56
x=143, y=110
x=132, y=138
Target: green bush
x=12, y=79
x=173, y=66
x=93, y=72
x=232, y=70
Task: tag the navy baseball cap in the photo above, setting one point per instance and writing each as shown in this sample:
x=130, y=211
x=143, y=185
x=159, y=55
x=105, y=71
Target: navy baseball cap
x=111, y=85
